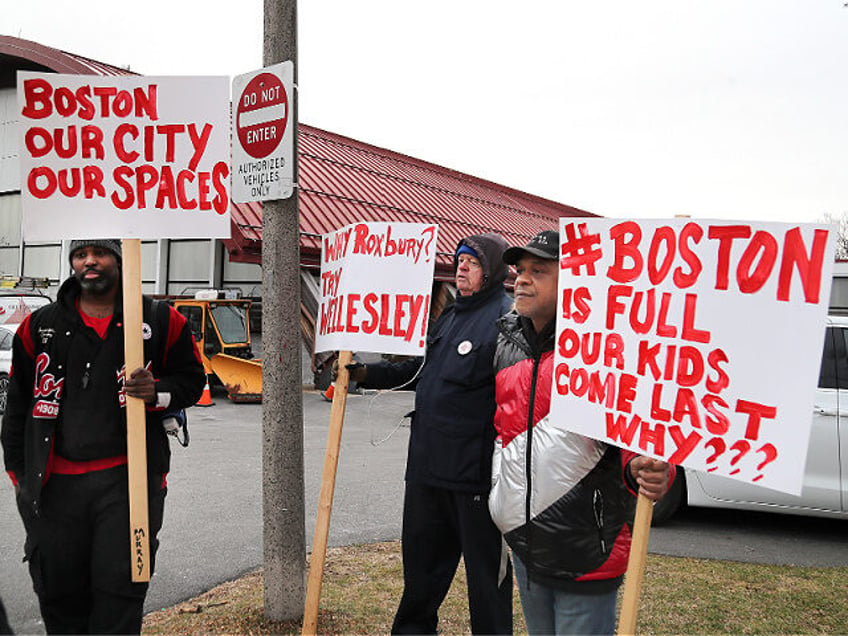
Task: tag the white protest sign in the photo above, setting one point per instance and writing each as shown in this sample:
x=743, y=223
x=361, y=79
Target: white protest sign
x=263, y=134
x=696, y=342
x=129, y=157
x=376, y=283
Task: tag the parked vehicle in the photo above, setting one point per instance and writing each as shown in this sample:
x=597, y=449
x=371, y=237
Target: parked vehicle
x=825, y=485
x=221, y=328
x=14, y=307
x=7, y=334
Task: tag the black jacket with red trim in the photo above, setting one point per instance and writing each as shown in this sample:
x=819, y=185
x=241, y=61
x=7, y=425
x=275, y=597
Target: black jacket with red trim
x=66, y=389
x=566, y=505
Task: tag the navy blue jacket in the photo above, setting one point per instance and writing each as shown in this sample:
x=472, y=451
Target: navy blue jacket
x=452, y=436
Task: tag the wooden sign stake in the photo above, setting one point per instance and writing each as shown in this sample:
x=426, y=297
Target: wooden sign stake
x=325, y=500
x=636, y=566
x=136, y=424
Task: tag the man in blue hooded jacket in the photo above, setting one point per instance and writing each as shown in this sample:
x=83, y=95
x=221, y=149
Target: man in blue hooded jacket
x=448, y=470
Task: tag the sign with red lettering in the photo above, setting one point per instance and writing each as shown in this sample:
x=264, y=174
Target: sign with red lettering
x=376, y=283
x=695, y=342
x=263, y=143
x=129, y=157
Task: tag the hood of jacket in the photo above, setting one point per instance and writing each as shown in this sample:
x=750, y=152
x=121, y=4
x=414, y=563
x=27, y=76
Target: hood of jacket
x=490, y=248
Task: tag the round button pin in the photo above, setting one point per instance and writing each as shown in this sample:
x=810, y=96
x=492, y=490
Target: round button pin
x=464, y=347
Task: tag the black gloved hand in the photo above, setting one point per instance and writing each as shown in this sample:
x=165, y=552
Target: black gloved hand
x=358, y=371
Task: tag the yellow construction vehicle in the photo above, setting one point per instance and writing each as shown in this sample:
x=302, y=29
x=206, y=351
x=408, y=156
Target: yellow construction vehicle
x=221, y=328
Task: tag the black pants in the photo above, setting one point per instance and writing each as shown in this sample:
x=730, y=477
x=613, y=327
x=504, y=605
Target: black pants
x=80, y=560
x=439, y=526
x=5, y=628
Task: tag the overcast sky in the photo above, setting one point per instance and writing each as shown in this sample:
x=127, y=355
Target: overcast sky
x=711, y=108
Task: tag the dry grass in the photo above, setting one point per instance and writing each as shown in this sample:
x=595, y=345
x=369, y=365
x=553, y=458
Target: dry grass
x=362, y=586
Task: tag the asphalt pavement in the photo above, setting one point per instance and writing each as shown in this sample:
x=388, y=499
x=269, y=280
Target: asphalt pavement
x=213, y=515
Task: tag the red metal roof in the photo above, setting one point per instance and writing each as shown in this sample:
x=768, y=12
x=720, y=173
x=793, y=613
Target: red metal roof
x=343, y=181
x=30, y=55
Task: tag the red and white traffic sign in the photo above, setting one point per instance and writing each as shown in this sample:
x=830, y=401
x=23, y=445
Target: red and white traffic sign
x=261, y=116
x=263, y=137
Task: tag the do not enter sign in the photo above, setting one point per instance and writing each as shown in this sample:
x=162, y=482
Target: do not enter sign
x=262, y=114
x=263, y=134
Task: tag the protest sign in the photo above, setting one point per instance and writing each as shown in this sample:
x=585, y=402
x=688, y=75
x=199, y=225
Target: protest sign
x=376, y=283
x=695, y=342
x=130, y=156
x=125, y=157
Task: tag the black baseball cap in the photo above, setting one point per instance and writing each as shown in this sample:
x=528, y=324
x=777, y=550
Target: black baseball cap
x=544, y=245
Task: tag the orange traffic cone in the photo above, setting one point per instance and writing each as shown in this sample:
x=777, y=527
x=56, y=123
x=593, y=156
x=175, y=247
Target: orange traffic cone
x=328, y=394
x=206, y=396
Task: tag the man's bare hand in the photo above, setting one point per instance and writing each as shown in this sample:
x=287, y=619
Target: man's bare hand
x=651, y=475
x=141, y=385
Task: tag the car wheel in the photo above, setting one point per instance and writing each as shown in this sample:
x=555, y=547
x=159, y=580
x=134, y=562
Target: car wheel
x=673, y=501
x=4, y=390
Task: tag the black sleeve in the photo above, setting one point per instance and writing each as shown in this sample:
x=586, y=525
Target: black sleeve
x=180, y=373
x=18, y=402
x=390, y=375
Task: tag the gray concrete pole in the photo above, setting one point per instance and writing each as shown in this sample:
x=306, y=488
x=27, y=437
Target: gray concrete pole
x=282, y=401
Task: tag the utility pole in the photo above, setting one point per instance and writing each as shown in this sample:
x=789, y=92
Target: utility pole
x=282, y=408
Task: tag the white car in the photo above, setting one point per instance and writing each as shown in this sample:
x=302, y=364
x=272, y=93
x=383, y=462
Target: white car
x=7, y=334
x=825, y=486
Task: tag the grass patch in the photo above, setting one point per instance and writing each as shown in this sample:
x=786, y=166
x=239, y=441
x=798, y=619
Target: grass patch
x=362, y=586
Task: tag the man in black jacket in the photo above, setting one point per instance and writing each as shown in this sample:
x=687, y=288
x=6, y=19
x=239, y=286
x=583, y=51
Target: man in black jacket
x=65, y=447
x=448, y=470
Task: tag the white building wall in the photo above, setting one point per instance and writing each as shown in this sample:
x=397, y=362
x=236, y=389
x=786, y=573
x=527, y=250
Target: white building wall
x=10, y=172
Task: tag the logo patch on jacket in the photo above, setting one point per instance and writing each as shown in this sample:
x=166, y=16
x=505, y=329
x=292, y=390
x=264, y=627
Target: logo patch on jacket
x=47, y=390
x=45, y=333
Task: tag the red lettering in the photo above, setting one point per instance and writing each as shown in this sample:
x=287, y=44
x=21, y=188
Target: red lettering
x=38, y=141
x=719, y=424
x=626, y=392
x=35, y=189
x=146, y=178
x=368, y=304
x=351, y=313
x=750, y=282
x=681, y=279
x=809, y=266
x=657, y=412
x=37, y=93
x=626, y=237
x=167, y=189
x=118, y=142
x=725, y=235
x=121, y=175
x=714, y=358
x=685, y=445
x=220, y=172
x=92, y=142
x=689, y=331
x=645, y=325
x=663, y=235
x=618, y=428
x=663, y=328
x=614, y=351
x=183, y=177
x=755, y=412
x=690, y=366
x=92, y=182
x=614, y=305
x=685, y=405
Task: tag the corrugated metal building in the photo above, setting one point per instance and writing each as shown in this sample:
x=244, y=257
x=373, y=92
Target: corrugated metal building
x=342, y=180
